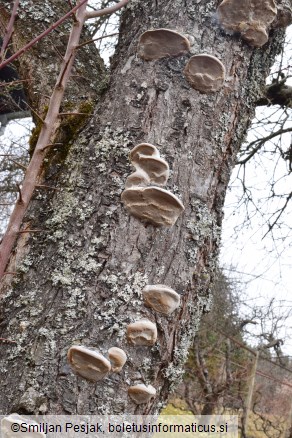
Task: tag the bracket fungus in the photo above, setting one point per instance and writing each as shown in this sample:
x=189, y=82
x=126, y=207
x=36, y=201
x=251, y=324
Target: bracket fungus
x=151, y=204
x=162, y=43
x=205, y=73
x=118, y=358
x=141, y=393
x=88, y=363
x=161, y=298
x=143, y=332
x=146, y=158
x=250, y=18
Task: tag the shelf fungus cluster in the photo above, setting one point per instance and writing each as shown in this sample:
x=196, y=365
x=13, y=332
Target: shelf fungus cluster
x=251, y=18
x=144, y=196
x=205, y=73
x=164, y=300
x=92, y=365
x=150, y=203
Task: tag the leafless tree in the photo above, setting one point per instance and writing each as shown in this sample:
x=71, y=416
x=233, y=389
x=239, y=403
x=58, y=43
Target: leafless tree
x=74, y=261
x=267, y=153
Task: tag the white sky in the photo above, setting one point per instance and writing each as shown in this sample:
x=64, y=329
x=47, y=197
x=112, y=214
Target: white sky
x=263, y=265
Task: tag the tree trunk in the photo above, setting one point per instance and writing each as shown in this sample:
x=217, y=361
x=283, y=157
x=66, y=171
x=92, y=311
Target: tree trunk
x=79, y=281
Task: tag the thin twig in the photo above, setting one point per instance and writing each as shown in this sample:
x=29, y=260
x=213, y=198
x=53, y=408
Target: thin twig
x=260, y=142
x=36, y=114
x=65, y=68
x=43, y=186
x=7, y=340
x=97, y=39
x=71, y=6
x=280, y=212
x=18, y=164
x=29, y=231
x=13, y=83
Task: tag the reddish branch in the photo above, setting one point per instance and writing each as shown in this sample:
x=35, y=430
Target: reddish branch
x=106, y=11
x=9, y=29
x=49, y=127
x=7, y=341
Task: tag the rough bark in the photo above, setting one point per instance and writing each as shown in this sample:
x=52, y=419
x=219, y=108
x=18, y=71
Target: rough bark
x=80, y=280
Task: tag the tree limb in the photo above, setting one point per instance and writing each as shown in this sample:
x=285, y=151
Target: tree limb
x=277, y=93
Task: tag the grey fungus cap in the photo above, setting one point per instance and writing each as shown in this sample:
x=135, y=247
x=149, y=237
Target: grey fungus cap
x=153, y=204
x=118, y=358
x=162, y=43
x=141, y=393
x=205, y=73
x=88, y=363
x=142, y=332
x=251, y=18
x=161, y=298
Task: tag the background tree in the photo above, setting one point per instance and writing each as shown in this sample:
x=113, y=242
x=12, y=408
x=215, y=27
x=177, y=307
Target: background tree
x=221, y=363
x=79, y=278
x=214, y=382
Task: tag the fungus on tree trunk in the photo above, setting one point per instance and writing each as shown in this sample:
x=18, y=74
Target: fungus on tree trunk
x=88, y=363
x=141, y=393
x=161, y=43
x=151, y=204
x=161, y=298
x=118, y=358
x=146, y=157
x=143, y=332
x=251, y=18
x=205, y=73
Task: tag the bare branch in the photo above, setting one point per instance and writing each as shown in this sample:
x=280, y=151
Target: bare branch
x=97, y=39
x=280, y=212
x=9, y=29
x=260, y=142
x=106, y=11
